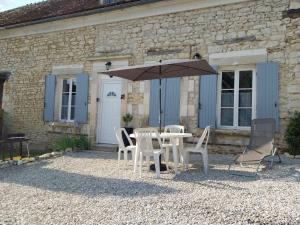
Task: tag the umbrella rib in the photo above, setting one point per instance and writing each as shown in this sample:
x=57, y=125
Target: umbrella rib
x=189, y=67
x=145, y=71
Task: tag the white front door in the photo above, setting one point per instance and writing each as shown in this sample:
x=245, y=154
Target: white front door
x=109, y=111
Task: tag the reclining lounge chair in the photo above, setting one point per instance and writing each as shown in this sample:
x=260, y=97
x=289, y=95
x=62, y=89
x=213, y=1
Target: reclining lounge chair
x=261, y=145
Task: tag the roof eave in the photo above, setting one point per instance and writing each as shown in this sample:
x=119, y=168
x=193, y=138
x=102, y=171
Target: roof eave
x=78, y=14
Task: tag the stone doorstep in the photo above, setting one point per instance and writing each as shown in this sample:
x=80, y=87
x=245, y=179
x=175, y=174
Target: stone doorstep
x=105, y=147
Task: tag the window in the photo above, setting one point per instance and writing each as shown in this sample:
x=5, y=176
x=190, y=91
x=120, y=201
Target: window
x=68, y=99
x=236, y=99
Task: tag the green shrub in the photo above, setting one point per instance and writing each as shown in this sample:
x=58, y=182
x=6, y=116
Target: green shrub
x=63, y=143
x=292, y=134
x=82, y=142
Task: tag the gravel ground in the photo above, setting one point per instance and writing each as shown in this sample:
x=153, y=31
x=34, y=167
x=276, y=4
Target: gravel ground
x=86, y=188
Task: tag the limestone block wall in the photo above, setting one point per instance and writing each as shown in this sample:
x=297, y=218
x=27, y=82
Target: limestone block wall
x=29, y=59
x=248, y=25
x=233, y=27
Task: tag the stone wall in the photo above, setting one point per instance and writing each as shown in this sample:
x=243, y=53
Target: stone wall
x=248, y=25
x=29, y=59
x=234, y=27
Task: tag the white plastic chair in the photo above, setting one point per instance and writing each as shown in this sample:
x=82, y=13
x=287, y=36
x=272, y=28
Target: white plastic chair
x=167, y=145
x=144, y=142
x=201, y=147
x=131, y=148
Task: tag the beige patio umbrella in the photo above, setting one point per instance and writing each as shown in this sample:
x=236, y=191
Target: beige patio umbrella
x=161, y=70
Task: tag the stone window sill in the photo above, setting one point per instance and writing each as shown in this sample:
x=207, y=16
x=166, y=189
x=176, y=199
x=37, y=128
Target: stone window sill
x=63, y=128
x=233, y=132
x=62, y=124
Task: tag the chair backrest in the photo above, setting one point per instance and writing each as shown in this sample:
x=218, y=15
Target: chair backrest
x=144, y=139
x=173, y=129
x=119, y=136
x=204, y=135
x=262, y=132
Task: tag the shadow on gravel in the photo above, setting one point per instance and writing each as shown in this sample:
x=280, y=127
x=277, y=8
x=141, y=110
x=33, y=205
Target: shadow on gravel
x=287, y=170
x=36, y=175
x=89, y=154
x=214, y=178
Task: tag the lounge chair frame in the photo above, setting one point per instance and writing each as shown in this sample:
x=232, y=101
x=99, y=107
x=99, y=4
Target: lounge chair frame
x=264, y=156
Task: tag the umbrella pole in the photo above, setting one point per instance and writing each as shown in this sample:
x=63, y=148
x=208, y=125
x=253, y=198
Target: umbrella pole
x=160, y=110
x=163, y=167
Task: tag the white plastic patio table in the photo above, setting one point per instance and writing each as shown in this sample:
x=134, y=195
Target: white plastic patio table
x=173, y=137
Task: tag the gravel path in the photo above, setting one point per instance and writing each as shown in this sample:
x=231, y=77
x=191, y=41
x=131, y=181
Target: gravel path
x=86, y=188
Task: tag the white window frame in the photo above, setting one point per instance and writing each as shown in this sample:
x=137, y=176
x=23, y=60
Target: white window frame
x=70, y=99
x=236, y=70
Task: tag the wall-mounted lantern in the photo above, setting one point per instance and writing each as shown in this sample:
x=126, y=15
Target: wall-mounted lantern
x=197, y=56
x=108, y=65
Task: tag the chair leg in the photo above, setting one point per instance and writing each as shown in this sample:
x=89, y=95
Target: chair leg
x=133, y=156
x=186, y=159
x=136, y=157
x=278, y=157
x=205, y=161
x=141, y=163
x=148, y=162
x=125, y=157
x=119, y=157
x=180, y=150
x=157, y=167
x=167, y=157
x=28, y=153
x=167, y=154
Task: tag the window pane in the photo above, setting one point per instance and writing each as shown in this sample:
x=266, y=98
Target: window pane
x=245, y=116
x=246, y=79
x=72, y=112
x=227, y=99
x=65, y=99
x=73, y=99
x=64, y=112
x=227, y=117
x=66, y=85
x=245, y=98
x=228, y=80
x=74, y=86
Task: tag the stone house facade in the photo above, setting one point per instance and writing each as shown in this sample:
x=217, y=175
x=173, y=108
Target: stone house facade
x=57, y=85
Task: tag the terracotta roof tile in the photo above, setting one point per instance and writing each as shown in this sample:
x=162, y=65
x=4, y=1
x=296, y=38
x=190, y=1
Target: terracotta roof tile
x=52, y=9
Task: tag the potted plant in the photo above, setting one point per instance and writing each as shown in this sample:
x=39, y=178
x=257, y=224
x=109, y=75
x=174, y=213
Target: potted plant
x=127, y=118
x=292, y=134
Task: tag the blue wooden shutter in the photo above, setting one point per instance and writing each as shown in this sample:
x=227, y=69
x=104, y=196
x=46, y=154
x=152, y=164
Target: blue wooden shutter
x=172, y=101
x=49, y=98
x=81, y=103
x=207, y=100
x=267, y=91
x=154, y=104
